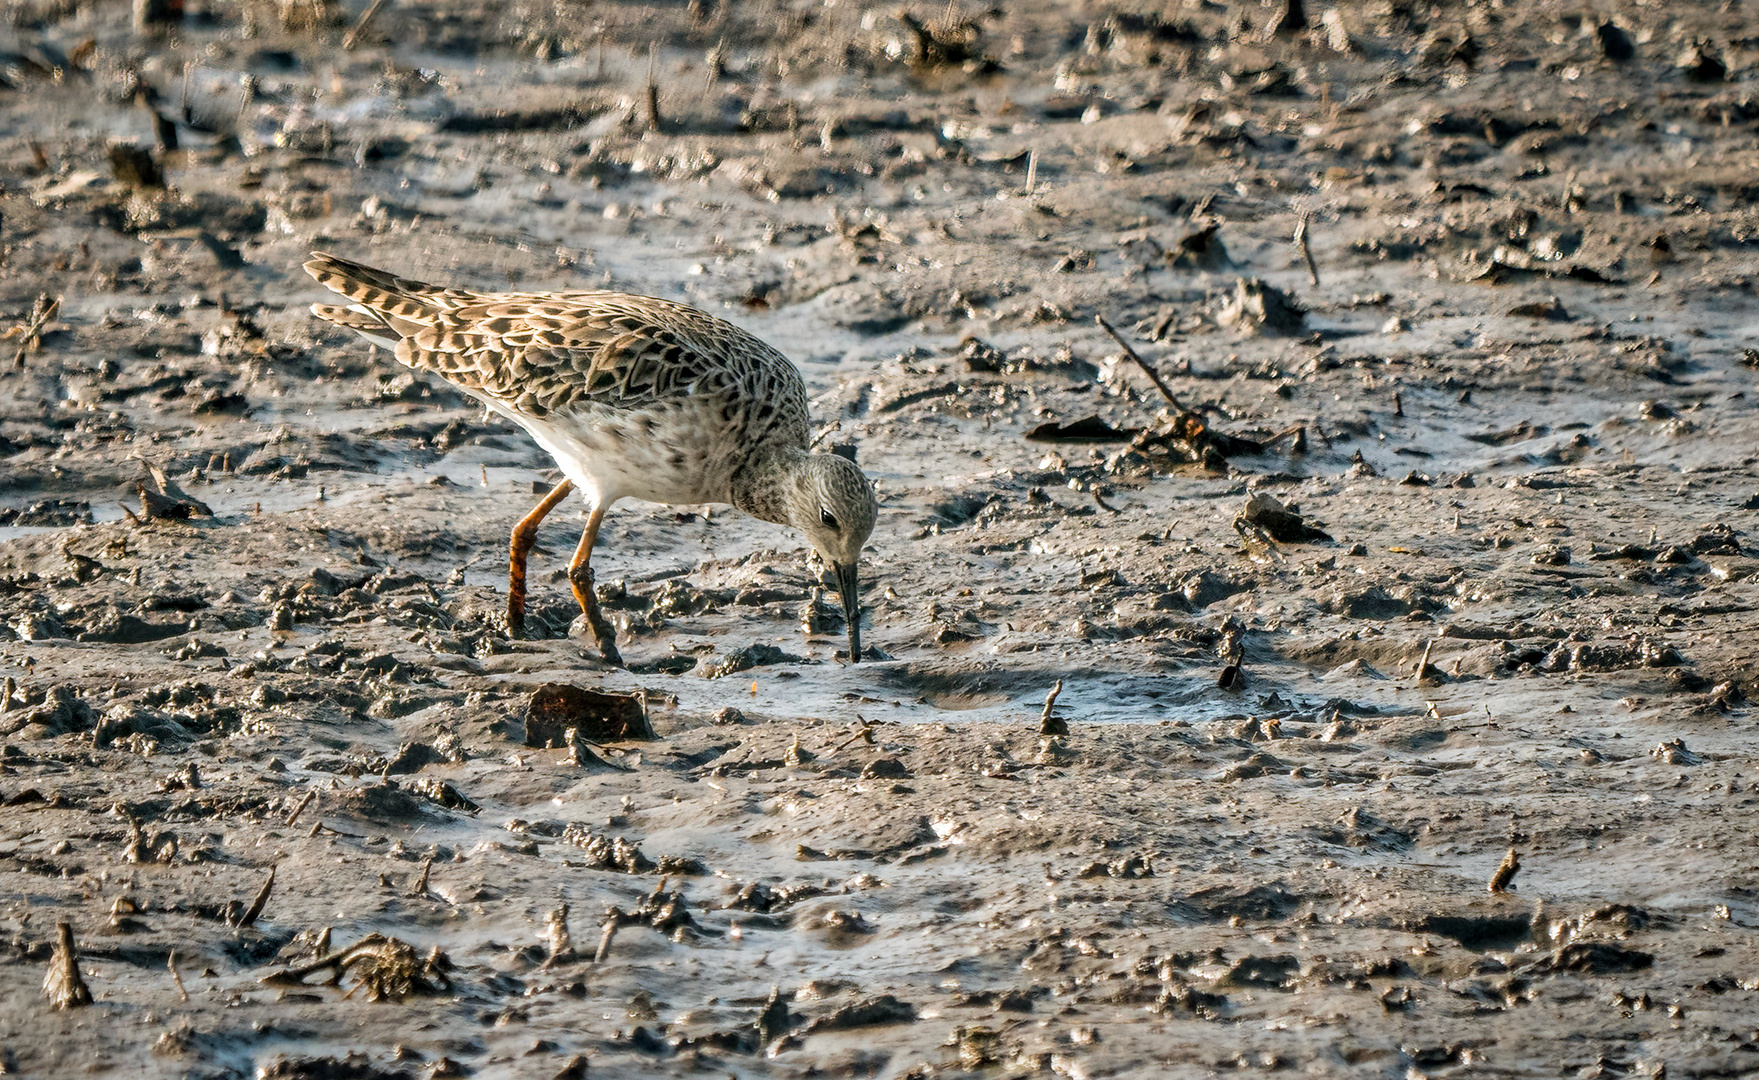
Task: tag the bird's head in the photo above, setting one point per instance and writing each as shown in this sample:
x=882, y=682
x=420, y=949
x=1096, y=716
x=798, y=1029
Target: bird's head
x=834, y=505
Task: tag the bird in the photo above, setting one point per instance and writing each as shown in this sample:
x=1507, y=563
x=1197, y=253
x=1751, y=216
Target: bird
x=635, y=397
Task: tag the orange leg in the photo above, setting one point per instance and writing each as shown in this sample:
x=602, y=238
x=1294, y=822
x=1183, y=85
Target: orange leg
x=524, y=536
x=580, y=576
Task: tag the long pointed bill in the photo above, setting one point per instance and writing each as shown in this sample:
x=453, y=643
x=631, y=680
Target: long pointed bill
x=850, y=590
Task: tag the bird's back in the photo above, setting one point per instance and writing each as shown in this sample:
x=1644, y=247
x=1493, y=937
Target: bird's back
x=587, y=355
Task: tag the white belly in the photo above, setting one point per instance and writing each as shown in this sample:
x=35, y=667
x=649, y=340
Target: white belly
x=677, y=464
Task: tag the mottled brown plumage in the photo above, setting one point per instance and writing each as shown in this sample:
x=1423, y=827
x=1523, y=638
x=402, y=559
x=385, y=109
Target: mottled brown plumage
x=634, y=397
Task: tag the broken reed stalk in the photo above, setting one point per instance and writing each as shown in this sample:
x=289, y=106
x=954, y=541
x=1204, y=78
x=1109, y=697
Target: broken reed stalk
x=420, y=888
x=64, y=986
x=605, y=936
x=352, y=38
x=1505, y=872
x=303, y=803
x=176, y=976
x=1423, y=664
x=1306, y=248
x=1153, y=375
x=255, y=909
x=1049, y=724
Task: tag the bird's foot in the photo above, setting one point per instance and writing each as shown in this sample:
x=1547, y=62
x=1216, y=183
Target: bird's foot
x=608, y=648
x=603, y=633
x=604, y=636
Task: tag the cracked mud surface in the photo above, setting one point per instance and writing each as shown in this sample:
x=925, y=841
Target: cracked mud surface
x=1518, y=404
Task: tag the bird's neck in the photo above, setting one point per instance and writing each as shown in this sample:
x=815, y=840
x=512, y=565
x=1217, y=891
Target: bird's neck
x=761, y=485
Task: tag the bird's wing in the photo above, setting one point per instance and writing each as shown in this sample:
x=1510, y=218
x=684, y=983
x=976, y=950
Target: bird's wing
x=536, y=353
x=540, y=353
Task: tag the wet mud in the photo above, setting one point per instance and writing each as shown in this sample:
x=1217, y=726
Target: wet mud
x=1344, y=416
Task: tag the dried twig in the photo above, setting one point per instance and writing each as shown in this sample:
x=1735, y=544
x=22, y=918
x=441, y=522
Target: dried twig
x=1306, y=248
x=303, y=803
x=390, y=969
x=31, y=330
x=1296, y=436
x=255, y=909
x=176, y=976
x=1152, y=374
x=352, y=38
x=864, y=735
x=653, y=90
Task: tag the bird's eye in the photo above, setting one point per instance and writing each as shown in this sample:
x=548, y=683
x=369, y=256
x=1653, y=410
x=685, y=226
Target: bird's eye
x=827, y=519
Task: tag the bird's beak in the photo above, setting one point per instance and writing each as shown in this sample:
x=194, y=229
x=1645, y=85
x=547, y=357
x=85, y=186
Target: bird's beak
x=849, y=588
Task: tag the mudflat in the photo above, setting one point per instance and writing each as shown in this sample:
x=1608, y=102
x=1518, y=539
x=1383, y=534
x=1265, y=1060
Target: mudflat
x=1345, y=417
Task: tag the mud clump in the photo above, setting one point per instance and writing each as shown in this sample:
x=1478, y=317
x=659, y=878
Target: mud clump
x=554, y=709
x=1260, y=308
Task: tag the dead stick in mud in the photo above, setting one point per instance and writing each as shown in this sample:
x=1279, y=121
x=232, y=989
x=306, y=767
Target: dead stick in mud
x=255, y=909
x=653, y=90
x=42, y=314
x=824, y=433
x=864, y=735
x=1049, y=724
x=352, y=38
x=1152, y=374
x=1424, y=662
x=303, y=803
x=420, y=888
x=605, y=936
x=1306, y=249
x=176, y=976
x=1505, y=872
x=1296, y=436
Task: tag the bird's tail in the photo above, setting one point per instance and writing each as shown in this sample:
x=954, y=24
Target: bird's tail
x=383, y=308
